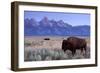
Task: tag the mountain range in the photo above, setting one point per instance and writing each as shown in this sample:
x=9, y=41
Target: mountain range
x=46, y=27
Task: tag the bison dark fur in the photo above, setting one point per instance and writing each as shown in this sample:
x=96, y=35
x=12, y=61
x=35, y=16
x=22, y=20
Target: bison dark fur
x=73, y=43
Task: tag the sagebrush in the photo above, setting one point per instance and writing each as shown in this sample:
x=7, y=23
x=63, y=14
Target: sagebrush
x=54, y=54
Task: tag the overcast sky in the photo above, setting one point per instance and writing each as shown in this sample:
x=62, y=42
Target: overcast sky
x=74, y=19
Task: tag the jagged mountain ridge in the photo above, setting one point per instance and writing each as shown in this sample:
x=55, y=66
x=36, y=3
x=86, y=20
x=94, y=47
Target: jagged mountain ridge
x=46, y=27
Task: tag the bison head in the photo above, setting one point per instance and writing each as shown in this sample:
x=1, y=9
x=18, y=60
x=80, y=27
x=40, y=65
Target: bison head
x=66, y=45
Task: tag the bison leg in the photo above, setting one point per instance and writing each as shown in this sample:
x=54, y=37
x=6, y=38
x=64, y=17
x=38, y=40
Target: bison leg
x=82, y=50
x=85, y=50
x=64, y=50
x=73, y=52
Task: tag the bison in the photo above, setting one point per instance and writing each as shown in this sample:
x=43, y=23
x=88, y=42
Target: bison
x=73, y=43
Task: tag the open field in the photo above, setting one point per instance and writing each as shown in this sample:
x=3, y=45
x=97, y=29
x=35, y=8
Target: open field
x=39, y=49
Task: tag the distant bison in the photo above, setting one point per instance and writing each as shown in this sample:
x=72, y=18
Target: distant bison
x=73, y=43
x=46, y=38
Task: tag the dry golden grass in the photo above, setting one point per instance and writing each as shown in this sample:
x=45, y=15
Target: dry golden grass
x=38, y=49
x=53, y=43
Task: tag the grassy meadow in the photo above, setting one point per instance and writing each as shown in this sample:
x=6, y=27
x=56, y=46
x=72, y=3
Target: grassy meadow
x=39, y=49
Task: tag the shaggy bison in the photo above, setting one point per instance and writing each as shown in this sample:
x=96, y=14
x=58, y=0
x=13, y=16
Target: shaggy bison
x=73, y=43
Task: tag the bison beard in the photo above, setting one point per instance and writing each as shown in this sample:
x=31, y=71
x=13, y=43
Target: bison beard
x=73, y=43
